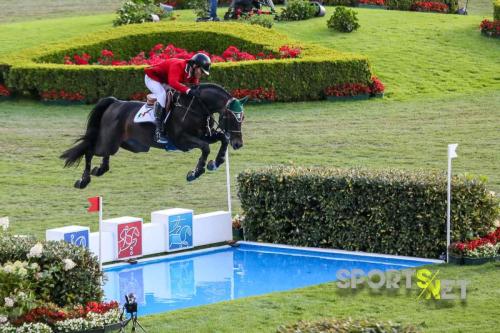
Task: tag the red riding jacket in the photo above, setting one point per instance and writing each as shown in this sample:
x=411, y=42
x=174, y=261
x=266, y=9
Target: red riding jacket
x=172, y=72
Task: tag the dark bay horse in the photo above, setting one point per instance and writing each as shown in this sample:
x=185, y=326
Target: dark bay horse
x=190, y=125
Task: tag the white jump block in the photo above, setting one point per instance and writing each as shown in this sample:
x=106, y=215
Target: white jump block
x=154, y=238
x=177, y=227
x=72, y=234
x=127, y=236
x=214, y=227
x=108, y=249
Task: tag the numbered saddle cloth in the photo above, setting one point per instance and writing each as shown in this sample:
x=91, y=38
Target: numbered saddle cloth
x=146, y=114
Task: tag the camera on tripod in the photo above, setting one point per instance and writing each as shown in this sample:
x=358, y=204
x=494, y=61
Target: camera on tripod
x=130, y=303
x=130, y=307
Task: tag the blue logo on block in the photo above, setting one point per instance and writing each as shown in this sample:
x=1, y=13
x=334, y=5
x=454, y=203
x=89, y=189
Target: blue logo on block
x=180, y=231
x=78, y=238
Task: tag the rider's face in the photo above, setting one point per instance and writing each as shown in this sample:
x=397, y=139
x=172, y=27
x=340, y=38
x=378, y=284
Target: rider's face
x=197, y=72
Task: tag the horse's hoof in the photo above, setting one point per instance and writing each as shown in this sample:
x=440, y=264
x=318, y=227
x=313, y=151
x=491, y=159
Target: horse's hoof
x=211, y=166
x=81, y=184
x=191, y=176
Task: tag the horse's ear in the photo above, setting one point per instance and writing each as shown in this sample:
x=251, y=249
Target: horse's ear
x=243, y=100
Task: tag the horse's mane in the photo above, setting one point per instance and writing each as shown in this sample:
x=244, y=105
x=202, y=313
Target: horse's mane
x=214, y=86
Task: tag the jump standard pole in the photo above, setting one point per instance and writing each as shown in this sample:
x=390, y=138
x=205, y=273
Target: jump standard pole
x=451, y=155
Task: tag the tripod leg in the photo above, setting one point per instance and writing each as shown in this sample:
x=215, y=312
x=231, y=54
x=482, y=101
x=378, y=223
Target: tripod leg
x=137, y=323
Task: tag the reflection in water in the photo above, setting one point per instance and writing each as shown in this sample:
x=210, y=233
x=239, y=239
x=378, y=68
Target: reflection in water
x=229, y=273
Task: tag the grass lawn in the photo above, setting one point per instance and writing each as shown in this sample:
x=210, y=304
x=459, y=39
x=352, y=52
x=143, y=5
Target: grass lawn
x=443, y=86
x=479, y=313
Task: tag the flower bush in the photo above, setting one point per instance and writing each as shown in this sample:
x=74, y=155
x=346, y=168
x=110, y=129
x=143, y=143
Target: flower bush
x=489, y=28
x=354, y=89
x=488, y=246
x=372, y=2
x=53, y=95
x=25, y=328
x=4, y=91
x=53, y=318
x=297, y=10
x=428, y=6
x=256, y=95
x=343, y=20
x=138, y=11
x=161, y=52
x=238, y=221
x=56, y=282
x=376, y=87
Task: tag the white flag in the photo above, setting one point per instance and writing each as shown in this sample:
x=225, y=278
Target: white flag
x=452, y=150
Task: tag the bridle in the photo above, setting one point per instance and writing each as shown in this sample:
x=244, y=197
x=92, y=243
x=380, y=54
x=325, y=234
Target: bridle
x=223, y=116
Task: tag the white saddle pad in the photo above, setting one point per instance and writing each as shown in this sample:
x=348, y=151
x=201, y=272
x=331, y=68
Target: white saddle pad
x=146, y=114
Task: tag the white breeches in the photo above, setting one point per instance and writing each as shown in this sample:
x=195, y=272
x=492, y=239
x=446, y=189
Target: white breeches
x=159, y=90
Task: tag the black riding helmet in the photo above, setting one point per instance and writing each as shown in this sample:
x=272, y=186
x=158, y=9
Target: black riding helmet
x=201, y=60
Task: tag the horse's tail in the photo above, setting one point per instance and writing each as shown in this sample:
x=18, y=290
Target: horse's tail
x=88, y=140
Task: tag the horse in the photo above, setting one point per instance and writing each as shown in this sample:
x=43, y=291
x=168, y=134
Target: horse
x=189, y=125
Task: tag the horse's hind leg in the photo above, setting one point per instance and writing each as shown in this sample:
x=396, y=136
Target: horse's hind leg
x=85, y=180
x=103, y=168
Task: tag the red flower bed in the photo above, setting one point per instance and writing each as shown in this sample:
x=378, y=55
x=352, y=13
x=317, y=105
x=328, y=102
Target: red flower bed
x=161, y=52
x=490, y=28
x=372, y=2
x=377, y=87
x=4, y=91
x=428, y=6
x=51, y=314
x=52, y=95
x=354, y=89
x=258, y=95
x=491, y=238
x=347, y=89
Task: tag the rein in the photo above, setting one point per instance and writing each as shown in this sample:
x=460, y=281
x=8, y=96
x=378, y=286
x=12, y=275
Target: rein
x=209, y=115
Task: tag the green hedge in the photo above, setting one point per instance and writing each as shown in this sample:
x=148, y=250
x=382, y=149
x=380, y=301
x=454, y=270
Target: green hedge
x=79, y=285
x=392, y=212
x=302, y=78
x=496, y=9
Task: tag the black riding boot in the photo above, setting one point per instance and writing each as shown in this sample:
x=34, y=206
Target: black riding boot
x=159, y=114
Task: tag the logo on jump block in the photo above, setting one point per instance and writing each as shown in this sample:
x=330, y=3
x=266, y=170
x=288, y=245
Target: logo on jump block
x=129, y=239
x=180, y=231
x=78, y=238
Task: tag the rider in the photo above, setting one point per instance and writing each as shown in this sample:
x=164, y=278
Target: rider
x=174, y=74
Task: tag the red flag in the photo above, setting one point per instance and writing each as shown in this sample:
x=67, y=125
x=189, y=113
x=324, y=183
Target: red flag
x=94, y=204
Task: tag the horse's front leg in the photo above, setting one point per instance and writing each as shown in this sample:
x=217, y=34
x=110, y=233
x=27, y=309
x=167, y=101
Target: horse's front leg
x=194, y=142
x=221, y=155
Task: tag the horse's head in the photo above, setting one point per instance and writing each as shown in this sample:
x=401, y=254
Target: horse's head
x=231, y=120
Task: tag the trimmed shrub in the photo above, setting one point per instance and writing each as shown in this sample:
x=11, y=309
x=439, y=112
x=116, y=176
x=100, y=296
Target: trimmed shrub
x=41, y=70
x=343, y=20
x=496, y=10
x=392, y=212
x=137, y=11
x=344, y=326
x=266, y=21
x=57, y=285
x=297, y=10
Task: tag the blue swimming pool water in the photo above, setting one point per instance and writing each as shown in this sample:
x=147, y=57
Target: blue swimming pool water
x=227, y=273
